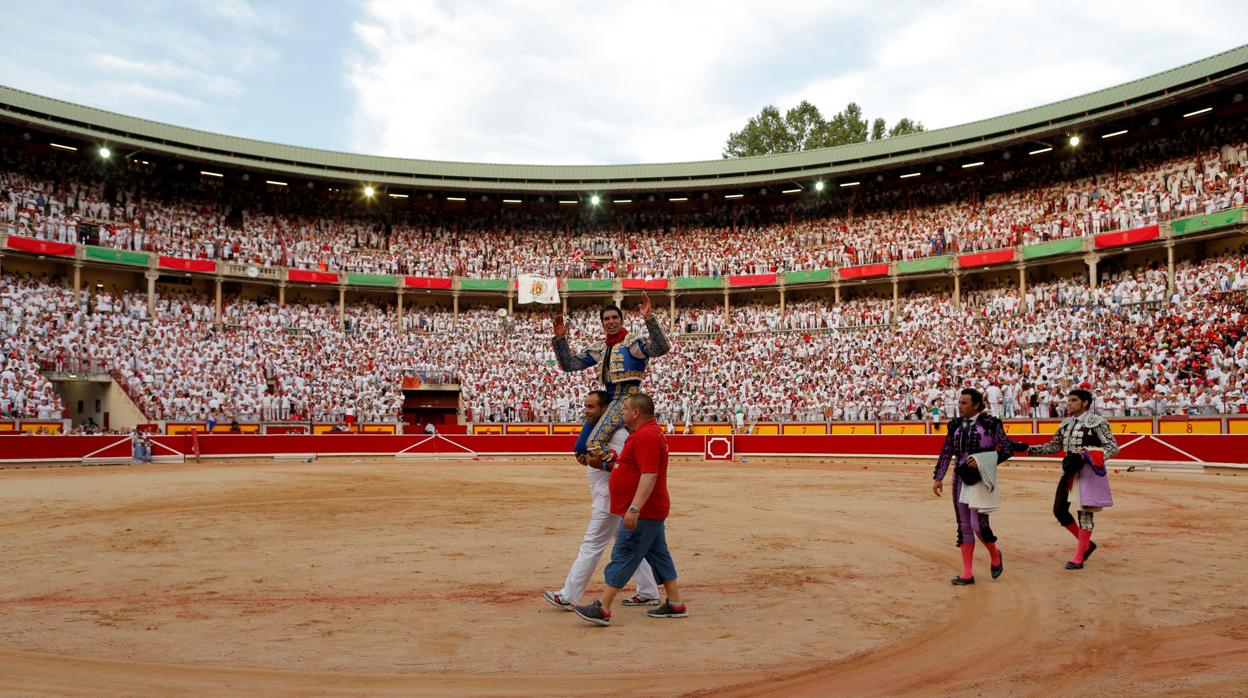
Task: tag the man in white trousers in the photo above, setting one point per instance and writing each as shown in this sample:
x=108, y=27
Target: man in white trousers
x=603, y=525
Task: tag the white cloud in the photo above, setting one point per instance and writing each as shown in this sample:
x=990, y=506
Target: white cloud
x=559, y=82
x=952, y=63
x=166, y=70
x=188, y=64
x=564, y=82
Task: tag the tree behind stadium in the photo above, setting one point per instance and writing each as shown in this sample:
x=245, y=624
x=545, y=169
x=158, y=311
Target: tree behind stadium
x=803, y=128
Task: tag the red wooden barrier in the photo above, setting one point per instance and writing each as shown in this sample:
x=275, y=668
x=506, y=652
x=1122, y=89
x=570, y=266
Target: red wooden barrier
x=1182, y=448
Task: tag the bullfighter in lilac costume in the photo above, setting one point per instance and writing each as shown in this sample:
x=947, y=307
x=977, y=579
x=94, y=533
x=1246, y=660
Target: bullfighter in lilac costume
x=973, y=431
x=1087, y=441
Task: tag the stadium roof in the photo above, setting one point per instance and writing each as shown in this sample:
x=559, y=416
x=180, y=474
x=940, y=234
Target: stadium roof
x=120, y=131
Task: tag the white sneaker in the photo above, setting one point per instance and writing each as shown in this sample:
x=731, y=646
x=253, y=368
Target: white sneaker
x=554, y=599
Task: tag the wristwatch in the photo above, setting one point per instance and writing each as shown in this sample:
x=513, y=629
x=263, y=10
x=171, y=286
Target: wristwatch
x=634, y=510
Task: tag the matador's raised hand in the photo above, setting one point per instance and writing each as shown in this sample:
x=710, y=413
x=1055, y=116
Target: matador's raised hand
x=645, y=308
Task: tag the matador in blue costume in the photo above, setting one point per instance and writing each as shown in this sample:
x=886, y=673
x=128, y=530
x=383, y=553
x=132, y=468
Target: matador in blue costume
x=622, y=358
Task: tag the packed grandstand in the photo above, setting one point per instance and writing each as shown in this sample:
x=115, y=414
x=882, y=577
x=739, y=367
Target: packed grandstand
x=1157, y=330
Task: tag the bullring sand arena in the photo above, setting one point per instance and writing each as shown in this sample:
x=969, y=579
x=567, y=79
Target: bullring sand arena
x=803, y=577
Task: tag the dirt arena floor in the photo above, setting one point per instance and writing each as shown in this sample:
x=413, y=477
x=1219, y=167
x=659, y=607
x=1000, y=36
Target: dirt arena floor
x=372, y=577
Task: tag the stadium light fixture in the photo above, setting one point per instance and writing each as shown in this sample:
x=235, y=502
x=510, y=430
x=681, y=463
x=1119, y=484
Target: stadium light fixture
x=969, y=165
x=105, y=152
x=850, y=184
x=1037, y=152
x=63, y=147
x=791, y=191
x=276, y=183
x=908, y=175
x=397, y=196
x=1074, y=141
x=621, y=201
x=595, y=200
x=1198, y=112
x=512, y=201
x=456, y=198
x=679, y=198
x=206, y=173
x=819, y=185
x=369, y=191
x=1115, y=133
x=734, y=196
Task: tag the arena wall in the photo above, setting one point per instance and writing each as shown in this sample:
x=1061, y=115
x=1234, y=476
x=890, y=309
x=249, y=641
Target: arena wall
x=1188, y=449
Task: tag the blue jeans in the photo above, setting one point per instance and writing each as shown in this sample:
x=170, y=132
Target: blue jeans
x=646, y=542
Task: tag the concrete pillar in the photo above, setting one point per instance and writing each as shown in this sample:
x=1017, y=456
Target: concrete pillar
x=618, y=298
x=727, y=310
x=1022, y=282
x=782, y=299
x=671, y=312
x=342, y=307
x=836, y=297
x=217, y=304
x=957, y=288
x=77, y=282
x=151, y=276
x=281, y=294
x=1091, y=261
x=1169, y=268
x=564, y=300
x=510, y=300
x=896, y=299
x=455, y=305
x=399, y=316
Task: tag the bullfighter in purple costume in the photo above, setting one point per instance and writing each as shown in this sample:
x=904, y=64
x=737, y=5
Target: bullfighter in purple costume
x=973, y=431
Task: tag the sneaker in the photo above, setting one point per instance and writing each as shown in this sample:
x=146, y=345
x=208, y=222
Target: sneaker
x=640, y=600
x=666, y=611
x=554, y=599
x=594, y=613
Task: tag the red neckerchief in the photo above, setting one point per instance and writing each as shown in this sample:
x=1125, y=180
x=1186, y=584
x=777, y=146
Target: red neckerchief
x=613, y=339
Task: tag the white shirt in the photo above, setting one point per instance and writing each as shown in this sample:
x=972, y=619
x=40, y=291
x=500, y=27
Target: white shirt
x=599, y=479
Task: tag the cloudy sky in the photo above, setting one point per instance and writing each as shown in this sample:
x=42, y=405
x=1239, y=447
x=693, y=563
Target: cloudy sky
x=577, y=82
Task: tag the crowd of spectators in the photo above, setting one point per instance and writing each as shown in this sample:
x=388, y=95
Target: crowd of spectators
x=1046, y=198
x=1145, y=349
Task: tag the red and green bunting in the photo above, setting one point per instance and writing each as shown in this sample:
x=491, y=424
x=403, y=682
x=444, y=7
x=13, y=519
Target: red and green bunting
x=202, y=266
x=644, y=284
x=59, y=249
x=752, y=280
x=983, y=259
x=426, y=282
x=864, y=271
x=311, y=277
x=1127, y=237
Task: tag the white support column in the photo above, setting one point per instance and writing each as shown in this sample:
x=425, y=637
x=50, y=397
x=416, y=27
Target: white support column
x=1170, y=285
x=1091, y=261
x=217, y=304
x=151, y=275
x=342, y=307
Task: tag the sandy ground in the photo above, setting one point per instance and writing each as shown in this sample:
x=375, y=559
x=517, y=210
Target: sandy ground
x=382, y=578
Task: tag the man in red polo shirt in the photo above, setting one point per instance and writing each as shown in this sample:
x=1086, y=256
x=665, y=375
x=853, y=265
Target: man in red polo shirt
x=639, y=494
